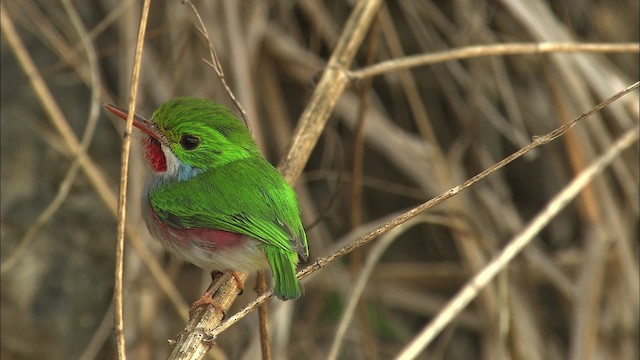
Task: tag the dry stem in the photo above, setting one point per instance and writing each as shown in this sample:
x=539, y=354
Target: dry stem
x=490, y=50
x=263, y=317
x=122, y=199
x=215, y=62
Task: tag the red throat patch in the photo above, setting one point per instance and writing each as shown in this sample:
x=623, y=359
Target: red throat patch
x=154, y=155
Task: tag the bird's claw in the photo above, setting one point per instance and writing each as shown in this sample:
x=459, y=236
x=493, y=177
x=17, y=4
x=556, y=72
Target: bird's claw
x=206, y=299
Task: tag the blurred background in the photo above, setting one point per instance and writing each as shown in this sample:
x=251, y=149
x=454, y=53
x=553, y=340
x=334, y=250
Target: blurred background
x=391, y=144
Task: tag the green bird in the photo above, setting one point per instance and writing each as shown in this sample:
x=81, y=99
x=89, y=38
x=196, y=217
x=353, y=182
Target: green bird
x=211, y=197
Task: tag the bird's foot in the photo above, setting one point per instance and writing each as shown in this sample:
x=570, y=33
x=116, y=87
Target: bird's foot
x=206, y=299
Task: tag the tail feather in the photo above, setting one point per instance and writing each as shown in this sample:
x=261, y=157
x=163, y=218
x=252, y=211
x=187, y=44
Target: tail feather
x=283, y=266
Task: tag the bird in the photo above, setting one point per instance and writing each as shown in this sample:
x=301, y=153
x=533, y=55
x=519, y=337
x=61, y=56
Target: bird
x=213, y=200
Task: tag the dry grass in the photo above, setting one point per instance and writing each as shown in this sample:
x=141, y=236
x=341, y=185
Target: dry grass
x=479, y=89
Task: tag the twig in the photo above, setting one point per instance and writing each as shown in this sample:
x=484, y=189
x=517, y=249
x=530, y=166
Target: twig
x=355, y=211
x=215, y=62
x=241, y=71
x=358, y=288
x=490, y=50
x=124, y=171
x=100, y=336
x=322, y=262
x=515, y=246
x=415, y=101
x=331, y=85
x=51, y=37
x=590, y=282
x=261, y=287
x=39, y=86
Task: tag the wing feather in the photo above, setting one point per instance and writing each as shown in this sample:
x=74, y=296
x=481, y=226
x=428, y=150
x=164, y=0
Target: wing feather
x=248, y=197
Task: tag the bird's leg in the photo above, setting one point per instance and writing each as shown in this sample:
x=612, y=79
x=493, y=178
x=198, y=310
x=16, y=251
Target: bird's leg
x=217, y=279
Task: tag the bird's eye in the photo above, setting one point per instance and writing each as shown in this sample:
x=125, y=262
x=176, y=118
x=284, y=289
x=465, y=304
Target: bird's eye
x=189, y=142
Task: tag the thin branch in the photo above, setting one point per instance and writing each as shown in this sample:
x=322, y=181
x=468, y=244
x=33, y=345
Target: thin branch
x=515, y=246
x=215, y=62
x=322, y=262
x=355, y=211
x=358, y=288
x=124, y=171
x=331, y=85
x=490, y=50
x=100, y=336
x=26, y=63
x=265, y=346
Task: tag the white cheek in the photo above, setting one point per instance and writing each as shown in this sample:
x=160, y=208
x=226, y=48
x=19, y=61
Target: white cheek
x=172, y=161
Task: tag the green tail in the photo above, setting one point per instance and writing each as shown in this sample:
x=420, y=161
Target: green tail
x=283, y=267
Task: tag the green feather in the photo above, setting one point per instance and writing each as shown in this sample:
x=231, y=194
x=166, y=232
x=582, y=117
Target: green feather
x=238, y=190
x=257, y=203
x=285, y=283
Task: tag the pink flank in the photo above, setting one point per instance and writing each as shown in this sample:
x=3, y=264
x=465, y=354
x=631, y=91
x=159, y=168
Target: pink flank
x=210, y=240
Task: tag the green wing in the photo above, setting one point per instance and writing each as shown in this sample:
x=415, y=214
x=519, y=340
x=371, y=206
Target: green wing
x=248, y=197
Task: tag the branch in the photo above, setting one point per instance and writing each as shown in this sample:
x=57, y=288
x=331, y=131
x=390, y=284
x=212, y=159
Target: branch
x=215, y=63
x=122, y=199
x=489, y=50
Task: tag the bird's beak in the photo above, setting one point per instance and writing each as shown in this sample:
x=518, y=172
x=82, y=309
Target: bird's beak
x=139, y=121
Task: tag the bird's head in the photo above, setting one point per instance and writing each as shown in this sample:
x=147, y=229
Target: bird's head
x=191, y=135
